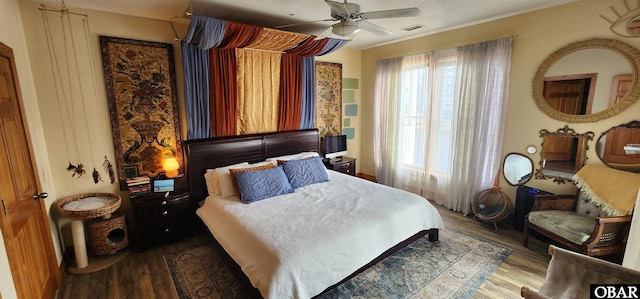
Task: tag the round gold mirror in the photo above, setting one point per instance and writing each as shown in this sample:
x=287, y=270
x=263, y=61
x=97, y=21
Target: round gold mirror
x=588, y=81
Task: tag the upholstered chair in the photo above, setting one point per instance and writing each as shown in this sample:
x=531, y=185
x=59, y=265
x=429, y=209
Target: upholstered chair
x=596, y=221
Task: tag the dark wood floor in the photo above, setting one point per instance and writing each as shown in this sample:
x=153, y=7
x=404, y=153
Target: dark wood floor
x=145, y=275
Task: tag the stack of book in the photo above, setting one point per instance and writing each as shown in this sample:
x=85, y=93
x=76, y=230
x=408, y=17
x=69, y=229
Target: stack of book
x=138, y=185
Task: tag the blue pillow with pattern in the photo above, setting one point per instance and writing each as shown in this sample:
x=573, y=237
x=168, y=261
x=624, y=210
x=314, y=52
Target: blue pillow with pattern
x=257, y=185
x=305, y=172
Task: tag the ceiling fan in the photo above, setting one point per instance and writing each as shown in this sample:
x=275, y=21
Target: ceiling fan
x=351, y=20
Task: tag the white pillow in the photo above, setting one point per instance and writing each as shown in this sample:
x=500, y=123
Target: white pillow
x=211, y=179
x=212, y=185
x=298, y=156
x=225, y=180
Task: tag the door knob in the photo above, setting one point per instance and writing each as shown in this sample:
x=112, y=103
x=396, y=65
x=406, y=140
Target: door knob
x=37, y=195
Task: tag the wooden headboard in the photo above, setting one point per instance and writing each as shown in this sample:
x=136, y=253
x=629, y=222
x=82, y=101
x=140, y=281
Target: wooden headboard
x=210, y=153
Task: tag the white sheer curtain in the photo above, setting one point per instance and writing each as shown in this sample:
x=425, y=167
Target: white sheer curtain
x=440, y=121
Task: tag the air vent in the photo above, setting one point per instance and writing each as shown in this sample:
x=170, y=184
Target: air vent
x=412, y=27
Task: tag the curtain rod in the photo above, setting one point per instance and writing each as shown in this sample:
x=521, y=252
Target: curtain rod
x=514, y=36
x=63, y=10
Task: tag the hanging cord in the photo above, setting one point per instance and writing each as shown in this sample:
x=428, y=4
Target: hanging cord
x=95, y=174
x=106, y=164
x=70, y=110
x=55, y=68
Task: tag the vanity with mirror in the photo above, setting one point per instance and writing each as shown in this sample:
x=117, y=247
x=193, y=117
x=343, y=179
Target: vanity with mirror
x=562, y=154
x=568, y=89
x=619, y=147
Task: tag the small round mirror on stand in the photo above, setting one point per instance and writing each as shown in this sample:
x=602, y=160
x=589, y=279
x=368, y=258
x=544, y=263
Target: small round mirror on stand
x=517, y=168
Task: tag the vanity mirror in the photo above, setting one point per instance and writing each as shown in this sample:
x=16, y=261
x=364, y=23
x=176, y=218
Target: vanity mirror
x=588, y=81
x=562, y=154
x=517, y=169
x=618, y=147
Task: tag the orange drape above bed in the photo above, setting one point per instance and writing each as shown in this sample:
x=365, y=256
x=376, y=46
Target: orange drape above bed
x=290, y=92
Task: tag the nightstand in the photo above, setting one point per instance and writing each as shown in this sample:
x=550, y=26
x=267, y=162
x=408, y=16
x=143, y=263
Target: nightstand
x=343, y=164
x=160, y=219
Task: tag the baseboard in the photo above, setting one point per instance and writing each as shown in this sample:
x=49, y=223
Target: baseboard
x=62, y=269
x=367, y=177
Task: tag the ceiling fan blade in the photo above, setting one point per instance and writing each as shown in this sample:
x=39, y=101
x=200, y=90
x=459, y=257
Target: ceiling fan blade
x=303, y=23
x=373, y=28
x=325, y=33
x=339, y=8
x=392, y=13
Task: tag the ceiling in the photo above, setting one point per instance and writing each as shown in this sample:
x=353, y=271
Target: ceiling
x=437, y=15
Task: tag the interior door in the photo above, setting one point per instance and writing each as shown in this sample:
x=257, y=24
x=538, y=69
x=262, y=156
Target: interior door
x=559, y=148
x=568, y=96
x=614, y=146
x=620, y=86
x=23, y=218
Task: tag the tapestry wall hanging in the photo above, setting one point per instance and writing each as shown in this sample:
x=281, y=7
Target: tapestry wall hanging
x=143, y=106
x=328, y=118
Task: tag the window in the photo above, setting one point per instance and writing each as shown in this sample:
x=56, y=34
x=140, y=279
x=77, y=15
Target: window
x=423, y=114
x=439, y=121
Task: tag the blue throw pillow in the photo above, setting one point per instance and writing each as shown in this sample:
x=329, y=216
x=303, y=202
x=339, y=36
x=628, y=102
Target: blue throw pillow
x=260, y=184
x=305, y=172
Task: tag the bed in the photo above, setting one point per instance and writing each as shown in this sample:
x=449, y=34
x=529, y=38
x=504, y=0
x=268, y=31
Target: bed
x=303, y=243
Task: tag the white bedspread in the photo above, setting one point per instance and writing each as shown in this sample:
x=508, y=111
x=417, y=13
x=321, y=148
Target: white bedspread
x=296, y=245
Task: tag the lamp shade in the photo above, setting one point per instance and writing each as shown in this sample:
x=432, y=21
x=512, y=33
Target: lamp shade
x=170, y=166
x=345, y=28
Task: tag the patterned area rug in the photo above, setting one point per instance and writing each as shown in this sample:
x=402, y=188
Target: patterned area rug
x=454, y=267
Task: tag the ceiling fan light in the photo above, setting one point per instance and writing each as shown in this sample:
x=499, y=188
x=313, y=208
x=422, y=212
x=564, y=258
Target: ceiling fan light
x=345, y=29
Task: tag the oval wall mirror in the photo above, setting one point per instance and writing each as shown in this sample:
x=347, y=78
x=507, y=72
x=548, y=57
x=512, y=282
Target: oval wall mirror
x=619, y=147
x=517, y=169
x=562, y=154
x=568, y=89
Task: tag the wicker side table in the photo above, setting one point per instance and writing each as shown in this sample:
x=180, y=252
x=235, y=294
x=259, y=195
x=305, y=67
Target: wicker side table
x=491, y=205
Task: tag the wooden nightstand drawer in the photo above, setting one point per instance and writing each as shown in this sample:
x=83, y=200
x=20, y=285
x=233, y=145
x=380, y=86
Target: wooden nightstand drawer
x=345, y=165
x=161, y=219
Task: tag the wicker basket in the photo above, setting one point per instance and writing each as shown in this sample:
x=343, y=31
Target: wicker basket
x=491, y=205
x=106, y=236
x=88, y=214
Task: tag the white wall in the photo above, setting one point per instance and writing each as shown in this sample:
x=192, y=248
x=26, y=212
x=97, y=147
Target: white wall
x=12, y=35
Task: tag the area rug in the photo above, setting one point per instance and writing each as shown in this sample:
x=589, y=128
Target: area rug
x=454, y=267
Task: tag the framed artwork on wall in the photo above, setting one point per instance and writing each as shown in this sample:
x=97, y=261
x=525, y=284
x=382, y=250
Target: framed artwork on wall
x=328, y=118
x=143, y=106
